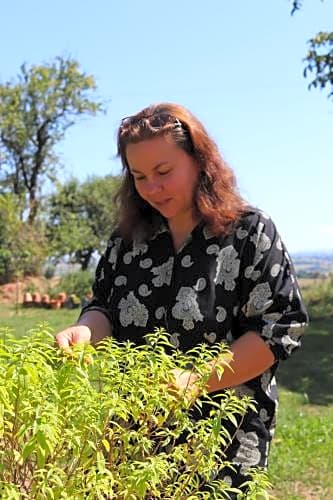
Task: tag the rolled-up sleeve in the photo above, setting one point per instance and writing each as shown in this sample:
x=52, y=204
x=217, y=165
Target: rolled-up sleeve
x=104, y=279
x=270, y=299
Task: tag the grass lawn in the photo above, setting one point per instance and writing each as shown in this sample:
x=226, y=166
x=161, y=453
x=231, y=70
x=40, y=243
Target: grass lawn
x=301, y=462
x=24, y=319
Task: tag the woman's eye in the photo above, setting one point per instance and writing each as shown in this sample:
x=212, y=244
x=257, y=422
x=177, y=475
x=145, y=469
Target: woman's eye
x=165, y=173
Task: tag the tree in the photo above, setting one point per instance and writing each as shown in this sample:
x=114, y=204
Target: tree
x=320, y=61
x=81, y=218
x=319, y=58
x=22, y=247
x=35, y=112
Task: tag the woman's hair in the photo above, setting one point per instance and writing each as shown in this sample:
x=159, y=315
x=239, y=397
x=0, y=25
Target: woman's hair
x=216, y=198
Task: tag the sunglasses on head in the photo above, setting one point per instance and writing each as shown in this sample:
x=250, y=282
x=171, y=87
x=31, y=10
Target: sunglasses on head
x=155, y=121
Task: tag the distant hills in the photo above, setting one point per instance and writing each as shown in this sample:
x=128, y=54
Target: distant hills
x=313, y=264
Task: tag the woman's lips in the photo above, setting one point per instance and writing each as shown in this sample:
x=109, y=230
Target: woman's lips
x=162, y=203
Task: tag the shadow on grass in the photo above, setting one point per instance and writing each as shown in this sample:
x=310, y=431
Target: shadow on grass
x=310, y=369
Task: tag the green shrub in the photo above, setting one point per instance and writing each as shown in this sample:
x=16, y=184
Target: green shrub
x=31, y=288
x=319, y=299
x=78, y=283
x=22, y=246
x=102, y=424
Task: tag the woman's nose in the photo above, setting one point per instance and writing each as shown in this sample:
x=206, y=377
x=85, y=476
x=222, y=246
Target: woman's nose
x=152, y=187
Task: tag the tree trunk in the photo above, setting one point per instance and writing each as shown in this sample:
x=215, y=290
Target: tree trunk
x=33, y=206
x=85, y=259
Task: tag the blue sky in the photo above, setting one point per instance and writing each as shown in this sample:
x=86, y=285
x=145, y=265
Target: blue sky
x=236, y=65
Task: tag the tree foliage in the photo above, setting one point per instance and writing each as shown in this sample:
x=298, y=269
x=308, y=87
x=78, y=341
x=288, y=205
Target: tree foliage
x=70, y=428
x=22, y=247
x=81, y=218
x=319, y=59
x=35, y=112
x=78, y=283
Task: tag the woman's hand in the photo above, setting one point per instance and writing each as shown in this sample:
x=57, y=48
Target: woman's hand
x=92, y=327
x=185, y=385
x=76, y=334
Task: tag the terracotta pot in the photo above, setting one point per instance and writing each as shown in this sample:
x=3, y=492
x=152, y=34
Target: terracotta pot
x=55, y=304
x=27, y=299
x=62, y=297
x=36, y=298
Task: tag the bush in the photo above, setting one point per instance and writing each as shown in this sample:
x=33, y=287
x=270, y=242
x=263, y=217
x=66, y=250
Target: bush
x=78, y=283
x=319, y=299
x=22, y=246
x=93, y=424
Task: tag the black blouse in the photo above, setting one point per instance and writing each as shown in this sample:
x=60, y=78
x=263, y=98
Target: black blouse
x=214, y=288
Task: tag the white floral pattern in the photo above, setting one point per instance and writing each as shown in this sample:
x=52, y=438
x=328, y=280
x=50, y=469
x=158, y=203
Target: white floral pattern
x=227, y=267
x=221, y=314
x=200, y=285
x=259, y=300
x=265, y=380
x=251, y=273
x=145, y=263
x=264, y=415
x=120, y=280
x=211, y=337
x=114, y=252
x=160, y=312
x=213, y=249
x=229, y=337
x=187, y=261
x=174, y=339
x=139, y=248
x=163, y=273
x=289, y=342
x=270, y=320
x=132, y=311
x=262, y=244
x=207, y=233
x=241, y=233
x=144, y=290
x=247, y=454
x=275, y=269
x=187, y=308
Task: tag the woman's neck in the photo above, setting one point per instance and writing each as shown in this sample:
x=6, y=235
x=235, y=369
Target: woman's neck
x=180, y=228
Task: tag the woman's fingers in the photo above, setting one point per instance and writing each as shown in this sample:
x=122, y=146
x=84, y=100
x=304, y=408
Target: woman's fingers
x=63, y=340
x=77, y=334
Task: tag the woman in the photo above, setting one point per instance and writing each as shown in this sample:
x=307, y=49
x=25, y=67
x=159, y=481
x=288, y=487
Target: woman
x=190, y=255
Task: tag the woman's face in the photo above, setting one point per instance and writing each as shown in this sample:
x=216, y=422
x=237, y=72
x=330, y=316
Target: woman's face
x=165, y=176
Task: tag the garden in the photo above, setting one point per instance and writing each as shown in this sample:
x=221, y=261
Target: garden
x=300, y=464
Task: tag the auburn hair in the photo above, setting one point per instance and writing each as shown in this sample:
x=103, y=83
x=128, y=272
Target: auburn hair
x=216, y=199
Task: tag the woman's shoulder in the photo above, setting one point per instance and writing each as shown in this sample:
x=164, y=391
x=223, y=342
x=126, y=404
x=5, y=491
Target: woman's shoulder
x=252, y=216
x=249, y=226
x=254, y=220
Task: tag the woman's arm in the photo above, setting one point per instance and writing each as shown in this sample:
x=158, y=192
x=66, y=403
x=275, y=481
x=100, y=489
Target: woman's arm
x=92, y=327
x=250, y=357
x=98, y=324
